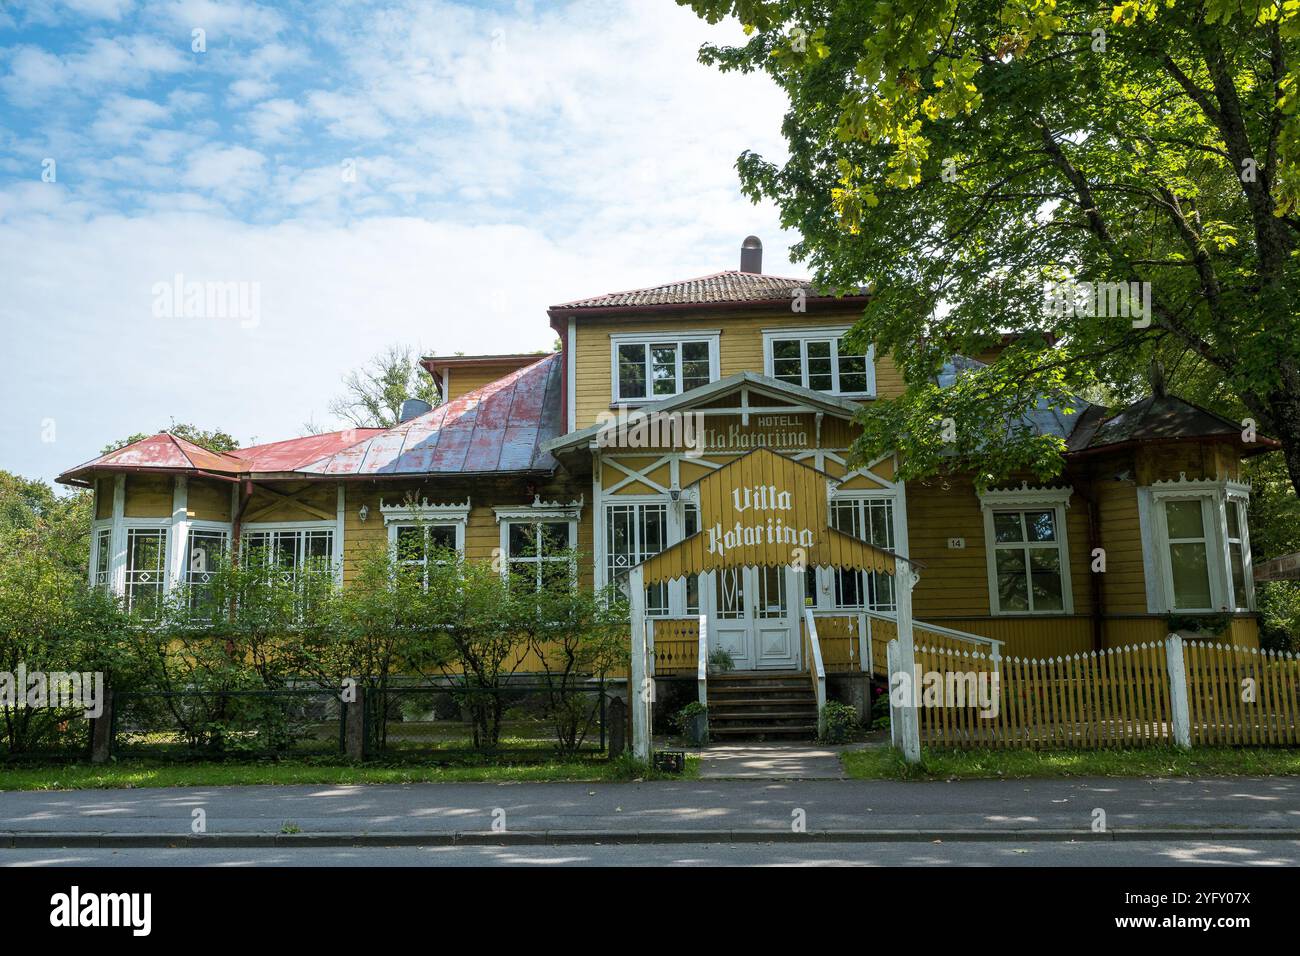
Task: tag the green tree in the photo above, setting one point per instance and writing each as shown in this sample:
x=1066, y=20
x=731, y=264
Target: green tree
x=576, y=634
x=34, y=517
x=958, y=158
x=373, y=394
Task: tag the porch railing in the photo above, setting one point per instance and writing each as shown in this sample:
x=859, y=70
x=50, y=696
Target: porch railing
x=702, y=662
x=882, y=628
x=816, y=668
x=676, y=645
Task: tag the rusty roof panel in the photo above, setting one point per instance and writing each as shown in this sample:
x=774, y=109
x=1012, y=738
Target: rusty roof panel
x=291, y=454
x=498, y=427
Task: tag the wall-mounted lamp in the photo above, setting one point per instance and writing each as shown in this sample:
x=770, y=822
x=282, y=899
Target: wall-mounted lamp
x=675, y=493
x=364, y=513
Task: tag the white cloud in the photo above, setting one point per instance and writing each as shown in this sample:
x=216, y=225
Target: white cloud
x=274, y=119
x=230, y=172
x=106, y=63
x=229, y=18
x=122, y=118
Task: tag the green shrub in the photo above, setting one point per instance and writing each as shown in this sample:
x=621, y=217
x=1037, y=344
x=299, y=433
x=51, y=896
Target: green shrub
x=840, y=722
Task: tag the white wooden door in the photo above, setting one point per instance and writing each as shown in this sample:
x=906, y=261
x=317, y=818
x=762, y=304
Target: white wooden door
x=753, y=616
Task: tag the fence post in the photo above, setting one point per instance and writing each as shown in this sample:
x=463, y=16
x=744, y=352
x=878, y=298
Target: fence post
x=617, y=727
x=891, y=668
x=101, y=731
x=1176, y=666
x=354, y=737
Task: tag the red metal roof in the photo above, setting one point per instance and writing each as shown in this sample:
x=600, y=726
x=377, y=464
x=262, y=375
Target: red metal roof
x=291, y=454
x=162, y=452
x=498, y=427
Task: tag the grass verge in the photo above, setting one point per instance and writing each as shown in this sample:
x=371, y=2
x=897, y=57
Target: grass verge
x=887, y=764
x=145, y=773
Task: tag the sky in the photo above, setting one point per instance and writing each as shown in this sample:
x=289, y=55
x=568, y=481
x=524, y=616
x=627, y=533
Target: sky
x=211, y=211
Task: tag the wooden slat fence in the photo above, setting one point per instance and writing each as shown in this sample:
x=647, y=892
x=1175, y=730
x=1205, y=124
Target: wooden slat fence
x=1119, y=697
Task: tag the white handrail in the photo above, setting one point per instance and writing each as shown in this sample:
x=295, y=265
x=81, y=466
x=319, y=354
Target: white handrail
x=994, y=643
x=702, y=664
x=818, y=670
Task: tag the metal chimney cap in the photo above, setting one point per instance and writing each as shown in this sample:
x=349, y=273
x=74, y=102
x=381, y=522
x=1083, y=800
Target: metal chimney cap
x=751, y=255
x=413, y=408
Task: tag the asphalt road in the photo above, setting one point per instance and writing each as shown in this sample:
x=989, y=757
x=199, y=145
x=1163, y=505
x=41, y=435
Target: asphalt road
x=1269, y=803
x=1270, y=853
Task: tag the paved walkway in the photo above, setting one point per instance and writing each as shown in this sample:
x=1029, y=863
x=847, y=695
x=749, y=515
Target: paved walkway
x=771, y=762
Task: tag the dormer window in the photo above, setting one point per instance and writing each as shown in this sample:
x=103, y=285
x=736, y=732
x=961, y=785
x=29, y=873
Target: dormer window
x=650, y=367
x=819, y=359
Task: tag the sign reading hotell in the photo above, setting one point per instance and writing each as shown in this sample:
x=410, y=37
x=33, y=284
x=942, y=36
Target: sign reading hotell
x=762, y=511
x=765, y=431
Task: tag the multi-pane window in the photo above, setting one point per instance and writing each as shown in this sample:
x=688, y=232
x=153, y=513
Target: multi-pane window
x=1188, y=547
x=1027, y=556
x=1237, y=554
x=823, y=363
x=634, y=532
x=206, y=551
x=103, y=558
x=870, y=520
x=645, y=371
x=539, y=553
x=416, y=546
x=772, y=602
x=291, y=552
x=146, y=570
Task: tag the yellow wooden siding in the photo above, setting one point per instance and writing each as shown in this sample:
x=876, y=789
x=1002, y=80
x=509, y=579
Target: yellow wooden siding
x=1195, y=460
x=266, y=508
x=1124, y=582
x=148, y=496
x=103, y=498
x=482, y=532
x=740, y=349
x=465, y=378
x=208, y=500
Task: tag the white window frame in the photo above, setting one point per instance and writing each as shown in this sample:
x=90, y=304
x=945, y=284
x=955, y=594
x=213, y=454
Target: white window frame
x=1028, y=499
x=1215, y=497
x=282, y=527
x=99, y=531
x=805, y=335
x=539, y=512
x=145, y=524
x=426, y=516
x=712, y=338
x=826, y=577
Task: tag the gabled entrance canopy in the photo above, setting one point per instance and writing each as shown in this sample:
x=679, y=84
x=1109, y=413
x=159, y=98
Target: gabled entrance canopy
x=761, y=509
x=764, y=509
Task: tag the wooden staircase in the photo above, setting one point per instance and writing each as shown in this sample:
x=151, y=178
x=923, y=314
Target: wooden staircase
x=762, y=705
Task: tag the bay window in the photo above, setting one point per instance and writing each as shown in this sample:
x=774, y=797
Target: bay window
x=1196, y=546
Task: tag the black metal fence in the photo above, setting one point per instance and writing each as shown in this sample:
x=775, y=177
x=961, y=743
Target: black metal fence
x=44, y=733
x=520, y=719
x=217, y=724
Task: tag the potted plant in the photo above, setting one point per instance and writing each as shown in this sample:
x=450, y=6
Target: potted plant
x=693, y=722
x=721, y=661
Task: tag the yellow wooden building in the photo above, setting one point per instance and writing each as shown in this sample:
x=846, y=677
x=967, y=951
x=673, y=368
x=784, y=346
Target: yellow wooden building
x=600, y=446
